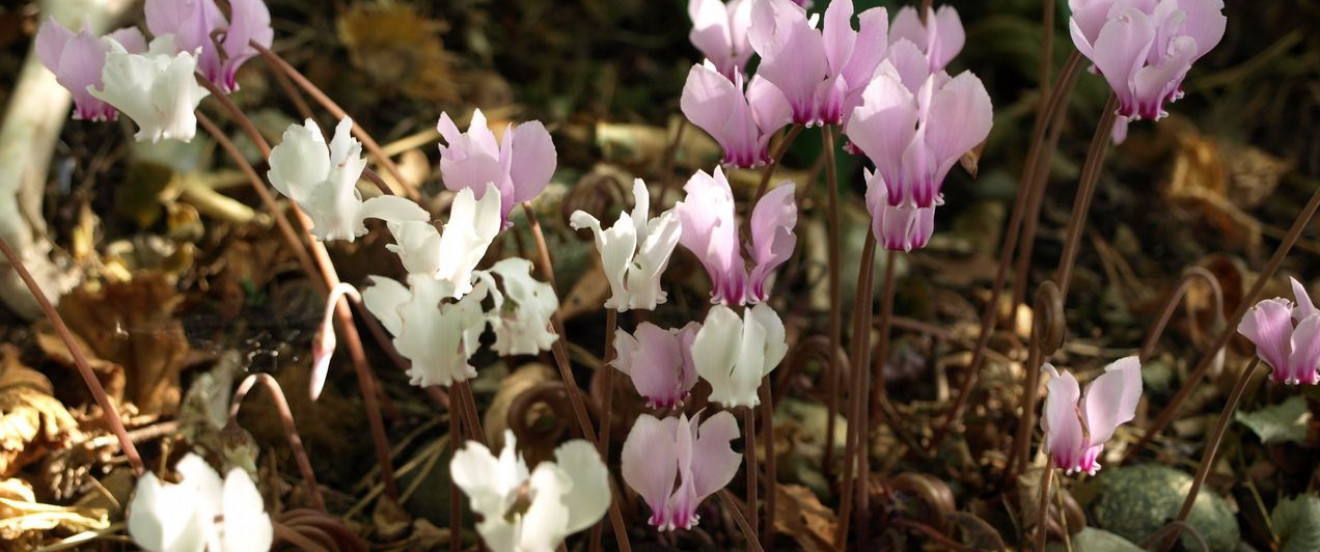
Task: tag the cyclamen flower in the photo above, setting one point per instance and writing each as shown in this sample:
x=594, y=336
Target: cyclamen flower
x=1287, y=336
x=1077, y=426
x=323, y=182
x=733, y=355
x=450, y=256
x=195, y=25
x=1144, y=48
x=711, y=233
x=532, y=511
x=914, y=126
x=634, y=252
x=78, y=59
x=719, y=31
x=522, y=313
x=821, y=73
x=659, y=362
x=438, y=336
x=200, y=512
x=520, y=166
x=156, y=89
x=940, y=41
x=901, y=227
x=741, y=123
x=659, y=452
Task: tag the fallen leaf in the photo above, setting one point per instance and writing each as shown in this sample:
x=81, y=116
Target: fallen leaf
x=24, y=521
x=799, y=514
x=31, y=420
x=397, y=47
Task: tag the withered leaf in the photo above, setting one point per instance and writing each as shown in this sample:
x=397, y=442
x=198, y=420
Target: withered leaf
x=31, y=420
x=799, y=514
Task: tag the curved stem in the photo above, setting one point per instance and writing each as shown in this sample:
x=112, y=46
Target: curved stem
x=1175, y=297
x=108, y=410
x=560, y=354
x=1058, y=99
x=312, y=90
x=290, y=428
x=1211, y=448
x=1095, y=158
x=1047, y=329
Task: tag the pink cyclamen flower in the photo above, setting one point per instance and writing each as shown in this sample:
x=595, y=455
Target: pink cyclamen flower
x=78, y=59
x=1287, y=336
x=1077, y=426
x=901, y=227
x=711, y=233
x=719, y=31
x=940, y=41
x=741, y=123
x=520, y=166
x=1144, y=48
x=659, y=361
x=199, y=25
x=659, y=452
x=914, y=125
x=820, y=72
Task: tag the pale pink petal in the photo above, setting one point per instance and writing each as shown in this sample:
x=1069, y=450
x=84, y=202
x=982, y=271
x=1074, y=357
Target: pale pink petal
x=1152, y=85
x=1205, y=23
x=869, y=50
x=959, y=118
x=81, y=63
x=534, y=160
x=1304, y=307
x=250, y=22
x=130, y=38
x=948, y=38
x=470, y=160
x=770, y=109
x=713, y=461
x=910, y=63
x=711, y=34
x=657, y=365
x=907, y=25
x=884, y=126
x=50, y=41
x=710, y=233
x=1305, y=351
x=792, y=54
x=1111, y=400
x=1088, y=17
x=717, y=105
x=1120, y=51
x=650, y=462
x=1269, y=326
x=1063, y=429
x=773, y=240
x=838, y=34
x=686, y=337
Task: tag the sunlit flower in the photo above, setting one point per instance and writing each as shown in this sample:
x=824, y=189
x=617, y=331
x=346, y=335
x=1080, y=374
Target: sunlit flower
x=200, y=26
x=200, y=512
x=719, y=31
x=521, y=317
x=634, y=252
x=323, y=182
x=532, y=511
x=659, y=361
x=820, y=72
x=1287, y=336
x=520, y=166
x=940, y=41
x=733, y=354
x=437, y=334
x=742, y=123
x=78, y=59
x=675, y=465
x=157, y=89
x=711, y=233
x=1145, y=48
x=452, y=255
x=1077, y=426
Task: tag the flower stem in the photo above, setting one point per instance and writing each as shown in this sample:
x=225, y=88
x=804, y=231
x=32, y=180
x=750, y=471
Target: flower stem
x=607, y=409
x=1095, y=158
x=835, y=285
x=290, y=429
x=1211, y=448
x=775, y=157
x=331, y=279
x=1047, y=329
x=1046, y=478
x=1175, y=298
x=857, y=391
x=108, y=410
x=560, y=354
x=771, y=473
x=1058, y=100
x=731, y=505
x=749, y=434
x=312, y=90
x=455, y=500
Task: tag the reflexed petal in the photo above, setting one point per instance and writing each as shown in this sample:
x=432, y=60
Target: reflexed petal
x=1205, y=23
x=838, y=35
x=662, y=235
x=391, y=208
x=163, y=517
x=1153, y=84
x=714, y=462
x=589, y=498
x=712, y=35
x=868, y=51
x=773, y=240
x=776, y=344
x=959, y=118
x=650, y=462
x=250, y=23
x=247, y=526
x=1120, y=50
x=300, y=162
x=1063, y=429
x=709, y=232
x=542, y=525
x=885, y=124
x=383, y=298
x=470, y=160
x=792, y=53
x=717, y=105
x=948, y=39
x=653, y=357
x=50, y=41
x=472, y=226
x=716, y=354
x=770, y=108
x=1269, y=326
x=418, y=246
x=1304, y=307
x=523, y=330
x=533, y=160
x=1305, y=357
x=1111, y=400
x=475, y=470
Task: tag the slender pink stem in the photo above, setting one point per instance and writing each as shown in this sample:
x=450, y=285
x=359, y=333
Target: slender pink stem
x=290, y=429
x=108, y=410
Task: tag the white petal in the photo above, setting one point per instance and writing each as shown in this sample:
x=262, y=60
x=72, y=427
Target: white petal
x=715, y=353
x=589, y=498
x=472, y=226
x=247, y=526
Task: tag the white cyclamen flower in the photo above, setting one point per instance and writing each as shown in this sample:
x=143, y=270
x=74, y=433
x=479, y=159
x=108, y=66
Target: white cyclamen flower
x=200, y=512
x=323, y=182
x=437, y=334
x=157, y=89
x=450, y=255
x=521, y=318
x=634, y=252
x=733, y=354
x=532, y=511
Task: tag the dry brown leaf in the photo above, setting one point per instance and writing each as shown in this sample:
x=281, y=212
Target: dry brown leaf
x=1200, y=179
x=24, y=522
x=131, y=325
x=588, y=294
x=397, y=47
x=31, y=420
x=799, y=514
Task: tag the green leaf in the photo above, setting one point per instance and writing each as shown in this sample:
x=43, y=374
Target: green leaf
x=1296, y=522
x=1096, y=540
x=1281, y=423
